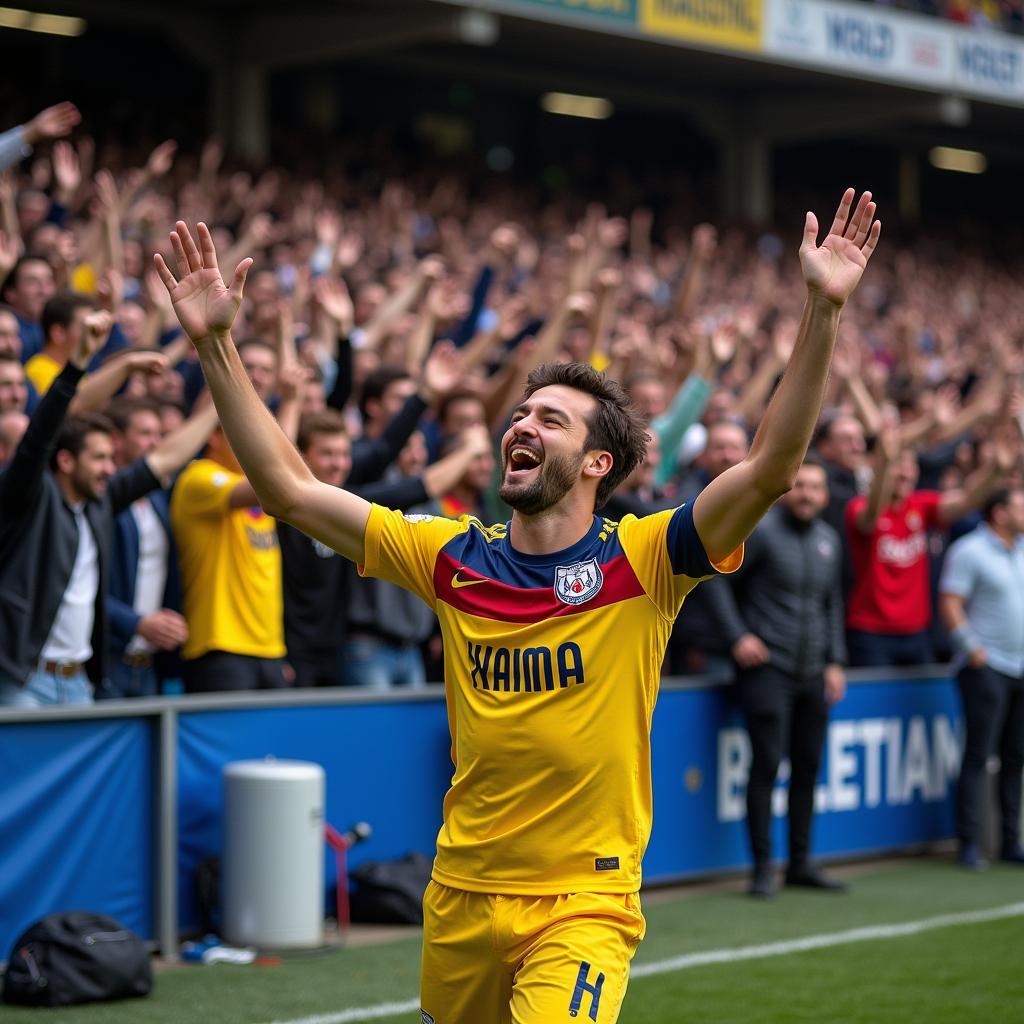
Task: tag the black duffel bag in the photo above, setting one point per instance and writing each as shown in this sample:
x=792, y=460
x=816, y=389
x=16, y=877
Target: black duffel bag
x=76, y=957
x=390, y=891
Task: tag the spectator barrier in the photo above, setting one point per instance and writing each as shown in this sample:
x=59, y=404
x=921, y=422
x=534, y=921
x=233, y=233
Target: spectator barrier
x=111, y=808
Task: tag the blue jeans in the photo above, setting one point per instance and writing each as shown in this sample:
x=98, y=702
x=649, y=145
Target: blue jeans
x=129, y=681
x=44, y=690
x=382, y=666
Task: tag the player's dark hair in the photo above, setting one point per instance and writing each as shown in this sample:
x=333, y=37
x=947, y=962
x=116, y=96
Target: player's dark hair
x=615, y=426
x=311, y=424
x=75, y=430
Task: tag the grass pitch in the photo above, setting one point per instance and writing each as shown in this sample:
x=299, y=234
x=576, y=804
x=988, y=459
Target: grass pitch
x=958, y=973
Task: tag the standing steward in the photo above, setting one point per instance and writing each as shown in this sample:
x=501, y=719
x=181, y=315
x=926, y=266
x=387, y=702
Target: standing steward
x=783, y=616
x=981, y=601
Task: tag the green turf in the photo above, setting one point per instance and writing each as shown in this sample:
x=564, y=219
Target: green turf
x=964, y=973
x=968, y=973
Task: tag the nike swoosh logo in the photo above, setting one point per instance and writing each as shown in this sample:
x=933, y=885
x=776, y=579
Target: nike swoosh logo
x=457, y=583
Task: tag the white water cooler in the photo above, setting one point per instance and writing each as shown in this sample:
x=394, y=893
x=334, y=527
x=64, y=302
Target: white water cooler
x=272, y=879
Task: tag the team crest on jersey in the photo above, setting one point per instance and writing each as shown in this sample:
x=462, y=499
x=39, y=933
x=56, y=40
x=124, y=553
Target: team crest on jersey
x=578, y=582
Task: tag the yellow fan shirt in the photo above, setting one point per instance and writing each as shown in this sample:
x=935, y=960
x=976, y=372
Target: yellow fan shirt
x=230, y=565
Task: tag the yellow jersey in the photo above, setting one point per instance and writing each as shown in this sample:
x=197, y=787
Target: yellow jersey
x=552, y=664
x=42, y=370
x=230, y=566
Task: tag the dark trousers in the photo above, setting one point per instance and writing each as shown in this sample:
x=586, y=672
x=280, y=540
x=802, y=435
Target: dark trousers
x=315, y=668
x=220, y=670
x=994, y=714
x=785, y=715
x=128, y=681
x=880, y=650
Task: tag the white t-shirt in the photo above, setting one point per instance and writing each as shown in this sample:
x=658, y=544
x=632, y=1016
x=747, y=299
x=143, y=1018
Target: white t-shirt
x=70, y=636
x=151, y=574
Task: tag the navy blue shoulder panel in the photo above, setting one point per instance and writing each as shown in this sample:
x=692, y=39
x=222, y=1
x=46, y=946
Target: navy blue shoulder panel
x=685, y=548
x=487, y=551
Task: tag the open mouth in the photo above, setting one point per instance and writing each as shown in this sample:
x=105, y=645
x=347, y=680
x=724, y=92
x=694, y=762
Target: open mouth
x=522, y=460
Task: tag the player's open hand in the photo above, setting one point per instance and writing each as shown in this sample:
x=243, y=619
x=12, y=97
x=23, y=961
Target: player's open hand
x=834, y=268
x=204, y=305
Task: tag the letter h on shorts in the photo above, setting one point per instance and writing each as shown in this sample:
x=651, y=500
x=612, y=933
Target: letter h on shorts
x=583, y=986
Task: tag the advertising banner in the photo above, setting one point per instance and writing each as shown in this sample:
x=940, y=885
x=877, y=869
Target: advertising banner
x=873, y=42
x=77, y=822
x=861, y=38
x=990, y=64
x=615, y=10
x=729, y=24
x=887, y=779
x=78, y=814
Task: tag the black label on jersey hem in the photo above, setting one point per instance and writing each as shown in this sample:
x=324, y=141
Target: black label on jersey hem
x=606, y=864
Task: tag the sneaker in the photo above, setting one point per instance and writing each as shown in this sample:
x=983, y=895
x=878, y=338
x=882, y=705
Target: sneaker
x=970, y=857
x=1013, y=854
x=762, y=884
x=814, y=878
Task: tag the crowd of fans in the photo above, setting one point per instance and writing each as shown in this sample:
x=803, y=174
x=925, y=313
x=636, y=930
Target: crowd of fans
x=389, y=323
x=1007, y=15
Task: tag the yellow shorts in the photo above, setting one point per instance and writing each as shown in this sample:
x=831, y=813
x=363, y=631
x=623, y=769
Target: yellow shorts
x=491, y=959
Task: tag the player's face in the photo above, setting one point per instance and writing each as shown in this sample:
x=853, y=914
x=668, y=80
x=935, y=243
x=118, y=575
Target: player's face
x=808, y=495
x=543, y=449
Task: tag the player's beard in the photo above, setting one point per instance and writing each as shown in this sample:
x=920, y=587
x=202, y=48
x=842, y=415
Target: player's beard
x=558, y=474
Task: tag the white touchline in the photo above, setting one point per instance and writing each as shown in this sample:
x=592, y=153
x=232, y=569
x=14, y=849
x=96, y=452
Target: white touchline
x=358, y=1014
x=865, y=934
x=721, y=956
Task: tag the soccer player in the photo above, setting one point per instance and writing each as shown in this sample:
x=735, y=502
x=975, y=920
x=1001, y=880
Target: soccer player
x=554, y=628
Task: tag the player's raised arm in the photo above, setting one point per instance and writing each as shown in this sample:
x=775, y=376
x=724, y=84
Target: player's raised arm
x=206, y=309
x=730, y=506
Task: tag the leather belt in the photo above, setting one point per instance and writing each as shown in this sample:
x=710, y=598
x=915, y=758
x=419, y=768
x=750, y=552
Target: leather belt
x=64, y=669
x=137, y=660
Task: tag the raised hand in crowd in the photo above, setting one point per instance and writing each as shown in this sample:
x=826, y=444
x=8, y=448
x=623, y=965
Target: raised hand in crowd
x=52, y=123
x=91, y=338
x=442, y=372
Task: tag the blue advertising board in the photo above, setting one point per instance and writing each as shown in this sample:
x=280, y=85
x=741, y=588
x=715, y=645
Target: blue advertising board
x=77, y=814
x=76, y=821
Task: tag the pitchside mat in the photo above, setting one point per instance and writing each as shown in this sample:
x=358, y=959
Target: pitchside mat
x=914, y=940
